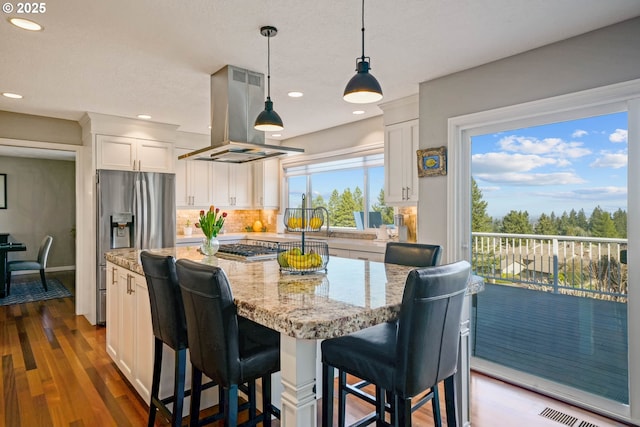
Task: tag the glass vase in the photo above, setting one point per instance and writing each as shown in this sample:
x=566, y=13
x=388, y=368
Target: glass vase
x=210, y=246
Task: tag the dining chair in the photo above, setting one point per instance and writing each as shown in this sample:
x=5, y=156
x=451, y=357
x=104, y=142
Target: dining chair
x=170, y=329
x=28, y=265
x=229, y=349
x=412, y=254
x=404, y=358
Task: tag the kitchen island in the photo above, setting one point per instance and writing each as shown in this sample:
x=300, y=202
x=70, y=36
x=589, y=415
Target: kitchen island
x=352, y=295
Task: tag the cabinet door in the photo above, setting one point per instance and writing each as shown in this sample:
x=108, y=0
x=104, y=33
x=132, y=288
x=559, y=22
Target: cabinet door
x=220, y=190
x=126, y=323
x=241, y=185
x=193, y=182
x=401, y=176
x=154, y=156
x=143, y=362
x=121, y=153
x=183, y=197
x=112, y=311
x=114, y=152
x=200, y=183
x=266, y=189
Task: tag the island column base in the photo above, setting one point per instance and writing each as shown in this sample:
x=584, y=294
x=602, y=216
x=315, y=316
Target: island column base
x=298, y=370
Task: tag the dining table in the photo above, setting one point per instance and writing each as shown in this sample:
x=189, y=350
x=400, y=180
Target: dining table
x=350, y=295
x=5, y=248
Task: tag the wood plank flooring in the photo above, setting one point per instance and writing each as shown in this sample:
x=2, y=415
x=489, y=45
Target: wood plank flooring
x=56, y=372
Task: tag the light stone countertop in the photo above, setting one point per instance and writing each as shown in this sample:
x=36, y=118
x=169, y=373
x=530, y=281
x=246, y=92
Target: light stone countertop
x=351, y=295
x=333, y=242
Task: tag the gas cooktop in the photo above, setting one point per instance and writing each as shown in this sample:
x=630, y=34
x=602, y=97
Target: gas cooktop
x=250, y=250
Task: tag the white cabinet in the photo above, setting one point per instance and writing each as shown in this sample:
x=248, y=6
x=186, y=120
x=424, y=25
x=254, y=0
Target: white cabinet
x=194, y=182
x=368, y=256
x=400, y=171
x=123, y=153
x=347, y=253
x=129, y=330
x=232, y=185
x=112, y=311
x=266, y=189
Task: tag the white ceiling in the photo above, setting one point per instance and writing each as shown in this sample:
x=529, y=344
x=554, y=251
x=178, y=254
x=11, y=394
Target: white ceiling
x=124, y=57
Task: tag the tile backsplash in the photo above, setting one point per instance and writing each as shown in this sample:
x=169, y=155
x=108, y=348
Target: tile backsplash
x=236, y=220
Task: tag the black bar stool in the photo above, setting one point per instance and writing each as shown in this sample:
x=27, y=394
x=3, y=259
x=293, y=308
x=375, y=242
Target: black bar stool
x=403, y=358
x=227, y=348
x=170, y=328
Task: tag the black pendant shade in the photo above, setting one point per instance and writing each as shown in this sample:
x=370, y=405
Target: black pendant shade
x=363, y=88
x=268, y=120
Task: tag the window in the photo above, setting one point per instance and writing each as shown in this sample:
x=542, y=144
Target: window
x=350, y=186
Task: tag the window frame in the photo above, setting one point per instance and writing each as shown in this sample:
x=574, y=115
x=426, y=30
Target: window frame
x=308, y=161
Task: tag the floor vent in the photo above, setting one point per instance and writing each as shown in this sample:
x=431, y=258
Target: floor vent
x=558, y=416
x=586, y=424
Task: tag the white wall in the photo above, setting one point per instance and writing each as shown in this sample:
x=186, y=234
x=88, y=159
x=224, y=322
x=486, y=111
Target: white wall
x=595, y=59
x=362, y=132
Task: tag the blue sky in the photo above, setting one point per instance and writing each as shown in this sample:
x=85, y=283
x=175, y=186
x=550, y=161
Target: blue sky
x=556, y=167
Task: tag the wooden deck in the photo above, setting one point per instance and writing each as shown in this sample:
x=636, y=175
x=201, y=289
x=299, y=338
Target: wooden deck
x=575, y=341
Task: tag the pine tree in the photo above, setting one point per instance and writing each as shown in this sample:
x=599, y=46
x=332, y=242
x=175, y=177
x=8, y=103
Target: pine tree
x=601, y=224
x=385, y=211
x=545, y=226
x=620, y=221
x=516, y=222
x=480, y=220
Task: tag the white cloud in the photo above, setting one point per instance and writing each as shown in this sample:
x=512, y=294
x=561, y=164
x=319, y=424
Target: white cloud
x=531, y=179
x=620, y=135
x=610, y=160
x=505, y=162
x=579, y=133
x=552, y=146
x=489, y=189
x=597, y=194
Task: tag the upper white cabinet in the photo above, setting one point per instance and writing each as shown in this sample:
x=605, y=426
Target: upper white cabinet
x=232, y=185
x=194, y=182
x=266, y=189
x=124, y=153
x=401, y=173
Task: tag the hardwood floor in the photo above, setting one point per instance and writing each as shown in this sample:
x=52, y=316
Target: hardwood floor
x=56, y=372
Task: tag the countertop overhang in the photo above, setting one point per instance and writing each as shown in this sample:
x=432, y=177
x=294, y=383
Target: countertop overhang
x=351, y=295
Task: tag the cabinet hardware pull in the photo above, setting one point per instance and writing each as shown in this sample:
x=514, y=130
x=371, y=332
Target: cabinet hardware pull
x=114, y=276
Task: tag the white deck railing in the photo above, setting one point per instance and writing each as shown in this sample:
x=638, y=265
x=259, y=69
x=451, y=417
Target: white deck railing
x=586, y=265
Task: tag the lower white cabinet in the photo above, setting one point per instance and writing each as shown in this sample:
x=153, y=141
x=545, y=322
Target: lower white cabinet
x=346, y=253
x=130, y=340
x=129, y=331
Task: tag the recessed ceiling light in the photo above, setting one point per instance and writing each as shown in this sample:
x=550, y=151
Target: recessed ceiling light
x=276, y=135
x=358, y=112
x=295, y=94
x=144, y=116
x=12, y=95
x=26, y=24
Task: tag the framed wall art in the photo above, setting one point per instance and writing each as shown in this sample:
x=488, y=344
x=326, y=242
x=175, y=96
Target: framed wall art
x=432, y=161
x=3, y=191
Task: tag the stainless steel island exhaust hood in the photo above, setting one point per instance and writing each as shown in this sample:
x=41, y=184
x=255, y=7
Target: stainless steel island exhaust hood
x=236, y=100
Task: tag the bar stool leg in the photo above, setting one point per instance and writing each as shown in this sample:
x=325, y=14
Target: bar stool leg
x=327, y=395
x=266, y=401
x=155, y=382
x=196, y=389
x=178, y=386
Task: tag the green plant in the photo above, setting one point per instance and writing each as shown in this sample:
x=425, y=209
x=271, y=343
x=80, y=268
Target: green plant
x=211, y=221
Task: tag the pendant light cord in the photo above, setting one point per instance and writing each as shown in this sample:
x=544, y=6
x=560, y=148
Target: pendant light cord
x=269, y=67
x=363, y=30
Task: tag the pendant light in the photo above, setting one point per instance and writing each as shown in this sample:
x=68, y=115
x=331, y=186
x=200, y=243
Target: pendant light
x=268, y=120
x=363, y=88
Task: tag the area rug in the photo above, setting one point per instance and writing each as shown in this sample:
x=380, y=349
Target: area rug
x=32, y=290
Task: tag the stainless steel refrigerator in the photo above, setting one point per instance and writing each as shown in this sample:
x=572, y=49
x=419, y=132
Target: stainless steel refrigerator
x=135, y=210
